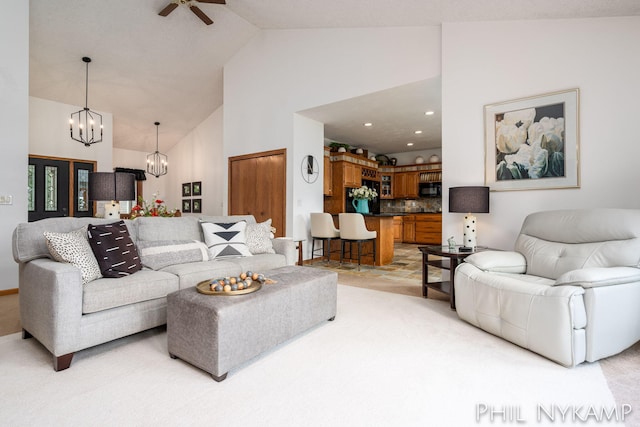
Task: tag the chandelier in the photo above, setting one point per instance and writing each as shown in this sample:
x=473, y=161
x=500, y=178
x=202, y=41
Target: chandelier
x=157, y=164
x=85, y=120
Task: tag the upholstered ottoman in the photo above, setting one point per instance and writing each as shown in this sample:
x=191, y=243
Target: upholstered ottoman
x=217, y=333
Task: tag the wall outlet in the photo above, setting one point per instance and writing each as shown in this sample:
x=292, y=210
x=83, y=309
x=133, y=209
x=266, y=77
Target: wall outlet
x=6, y=200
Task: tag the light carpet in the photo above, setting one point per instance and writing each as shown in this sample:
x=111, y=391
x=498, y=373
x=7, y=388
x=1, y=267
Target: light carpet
x=387, y=360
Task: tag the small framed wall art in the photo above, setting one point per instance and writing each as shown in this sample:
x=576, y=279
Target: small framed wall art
x=533, y=143
x=186, y=189
x=196, y=206
x=196, y=189
x=186, y=205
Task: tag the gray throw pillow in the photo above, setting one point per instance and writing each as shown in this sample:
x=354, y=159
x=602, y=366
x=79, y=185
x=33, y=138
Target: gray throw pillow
x=163, y=253
x=259, y=238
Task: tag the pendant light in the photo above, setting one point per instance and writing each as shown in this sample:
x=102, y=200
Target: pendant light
x=85, y=121
x=157, y=164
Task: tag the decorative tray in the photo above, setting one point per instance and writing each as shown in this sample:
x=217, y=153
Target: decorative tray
x=246, y=283
x=205, y=288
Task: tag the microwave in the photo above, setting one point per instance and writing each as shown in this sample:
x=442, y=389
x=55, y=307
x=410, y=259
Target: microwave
x=430, y=189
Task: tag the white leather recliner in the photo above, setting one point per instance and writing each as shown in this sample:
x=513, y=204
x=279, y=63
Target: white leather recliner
x=570, y=290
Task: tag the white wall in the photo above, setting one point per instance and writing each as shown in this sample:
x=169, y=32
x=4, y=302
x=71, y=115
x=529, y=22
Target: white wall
x=198, y=157
x=484, y=63
x=281, y=72
x=49, y=134
x=14, y=128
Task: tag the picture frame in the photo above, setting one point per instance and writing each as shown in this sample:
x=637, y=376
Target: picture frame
x=186, y=205
x=186, y=189
x=196, y=188
x=533, y=143
x=196, y=205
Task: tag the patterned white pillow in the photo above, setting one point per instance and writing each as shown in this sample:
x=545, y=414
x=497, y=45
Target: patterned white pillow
x=74, y=248
x=225, y=239
x=258, y=238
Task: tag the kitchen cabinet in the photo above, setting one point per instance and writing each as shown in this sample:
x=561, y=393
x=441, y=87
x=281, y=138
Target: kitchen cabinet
x=386, y=185
x=405, y=185
x=351, y=174
x=328, y=177
x=422, y=228
x=397, y=229
x=409, y=229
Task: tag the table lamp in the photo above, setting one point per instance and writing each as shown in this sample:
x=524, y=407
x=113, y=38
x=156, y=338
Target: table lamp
x=112, y=187
x=469, y=200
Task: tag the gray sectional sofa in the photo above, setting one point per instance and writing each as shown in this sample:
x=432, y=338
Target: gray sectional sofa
x=67, y=316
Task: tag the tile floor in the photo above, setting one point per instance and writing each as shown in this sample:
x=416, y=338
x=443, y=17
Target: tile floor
x=403, y=275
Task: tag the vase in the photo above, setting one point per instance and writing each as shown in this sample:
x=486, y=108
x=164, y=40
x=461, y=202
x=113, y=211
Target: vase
x=361, y=206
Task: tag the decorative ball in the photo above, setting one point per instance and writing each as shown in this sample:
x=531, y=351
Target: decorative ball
x=243, y=276
x=261, y=278
x=227, y=288
x=218, y=288
x=255, y=276
x=232, y=280
x=234, y=287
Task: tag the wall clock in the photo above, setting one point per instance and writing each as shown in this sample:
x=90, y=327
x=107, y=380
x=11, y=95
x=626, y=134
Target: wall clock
x=309, y=169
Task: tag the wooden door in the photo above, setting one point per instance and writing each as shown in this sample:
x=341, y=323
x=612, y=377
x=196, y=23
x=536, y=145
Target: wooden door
x=257, y=186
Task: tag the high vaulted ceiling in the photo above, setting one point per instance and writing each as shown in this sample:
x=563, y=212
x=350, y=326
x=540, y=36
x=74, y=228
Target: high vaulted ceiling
x=148, y=68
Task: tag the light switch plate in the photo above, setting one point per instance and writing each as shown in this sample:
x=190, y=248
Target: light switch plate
x=6, y=200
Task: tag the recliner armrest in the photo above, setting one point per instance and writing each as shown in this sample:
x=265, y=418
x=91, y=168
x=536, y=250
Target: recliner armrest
x=599, y=276
x=499, y=261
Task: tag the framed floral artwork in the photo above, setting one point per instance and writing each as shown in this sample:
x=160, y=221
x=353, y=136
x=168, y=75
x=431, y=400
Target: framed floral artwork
x=196, y=188
x=186, y=189
x=533, y=143
x=196, y=206
x=186, y=205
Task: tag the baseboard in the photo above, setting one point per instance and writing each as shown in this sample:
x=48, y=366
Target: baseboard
x=8, y=291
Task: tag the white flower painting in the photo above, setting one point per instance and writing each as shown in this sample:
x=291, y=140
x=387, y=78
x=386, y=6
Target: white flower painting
x=532, y=143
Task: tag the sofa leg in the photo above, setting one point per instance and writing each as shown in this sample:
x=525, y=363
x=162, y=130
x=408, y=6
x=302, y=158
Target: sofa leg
x=219, y=378
x=63, y=362
x=331, y=319
x=26, y=335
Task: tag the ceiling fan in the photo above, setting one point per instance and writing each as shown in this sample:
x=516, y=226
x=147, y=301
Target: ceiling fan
x=195, y=9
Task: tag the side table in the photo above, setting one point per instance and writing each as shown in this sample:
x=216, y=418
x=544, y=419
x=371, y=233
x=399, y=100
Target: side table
x=449, y=259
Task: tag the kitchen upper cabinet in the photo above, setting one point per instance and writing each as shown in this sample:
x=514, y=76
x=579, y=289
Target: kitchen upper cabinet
x=328, y=177
x=386, y=185
x=405, y=185
x=351, y=174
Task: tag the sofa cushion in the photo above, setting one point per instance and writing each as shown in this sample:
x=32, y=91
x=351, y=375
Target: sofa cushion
x=195, y=272
x=74, y=248
x=226, y=239
x=168, y=228
x=146, y=285
x=114, y=250
x=259, y=238
x=163, y=253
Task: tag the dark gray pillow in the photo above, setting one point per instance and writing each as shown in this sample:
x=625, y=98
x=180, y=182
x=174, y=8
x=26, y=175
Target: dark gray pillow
x=114, y=250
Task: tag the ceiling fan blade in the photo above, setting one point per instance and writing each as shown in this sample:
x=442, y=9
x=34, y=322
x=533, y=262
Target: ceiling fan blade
x=200, y=14
x=212, y=1
x=167, y=10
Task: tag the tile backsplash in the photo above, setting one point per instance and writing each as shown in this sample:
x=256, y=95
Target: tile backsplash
x=429, y=204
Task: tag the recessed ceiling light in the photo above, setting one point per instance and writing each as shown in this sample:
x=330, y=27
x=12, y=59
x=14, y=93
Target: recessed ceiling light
x=418, y=132
x=368, y=124
x=428, y=113
x=409, y=144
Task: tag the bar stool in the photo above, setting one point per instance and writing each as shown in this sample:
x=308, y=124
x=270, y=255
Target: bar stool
x=322, y=228
x=353, y=229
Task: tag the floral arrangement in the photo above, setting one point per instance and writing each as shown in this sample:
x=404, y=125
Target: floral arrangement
x=155, y=208
x=363, y=193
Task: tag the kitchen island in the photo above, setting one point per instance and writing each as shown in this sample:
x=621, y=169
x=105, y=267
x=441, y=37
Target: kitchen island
x=382, y=224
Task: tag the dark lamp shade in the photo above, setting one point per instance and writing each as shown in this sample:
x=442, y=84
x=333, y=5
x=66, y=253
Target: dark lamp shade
x=112, y=186
x=469, y=199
